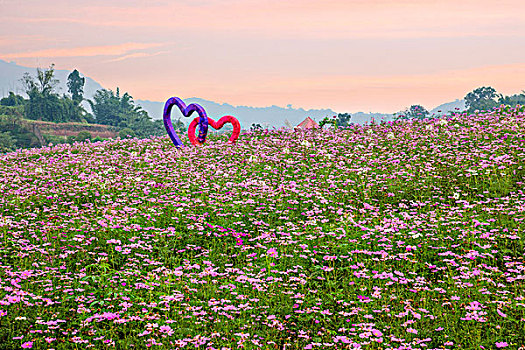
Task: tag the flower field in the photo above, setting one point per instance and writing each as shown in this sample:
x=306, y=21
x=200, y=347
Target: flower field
x=404, y=235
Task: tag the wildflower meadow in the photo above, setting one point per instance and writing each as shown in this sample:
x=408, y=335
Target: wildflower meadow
x=391, y=235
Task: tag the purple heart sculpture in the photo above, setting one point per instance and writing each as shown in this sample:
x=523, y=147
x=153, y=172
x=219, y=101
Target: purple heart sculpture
x=186, y=111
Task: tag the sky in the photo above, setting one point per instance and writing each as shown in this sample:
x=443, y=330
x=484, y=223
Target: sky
x=347, y=55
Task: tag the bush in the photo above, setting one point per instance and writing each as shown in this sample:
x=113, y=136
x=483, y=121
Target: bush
x=7, y=143
x=126, y=133
x=83, y=136
x=54, y=139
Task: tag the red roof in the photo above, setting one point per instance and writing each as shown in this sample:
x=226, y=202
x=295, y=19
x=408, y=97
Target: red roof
x=308, y=123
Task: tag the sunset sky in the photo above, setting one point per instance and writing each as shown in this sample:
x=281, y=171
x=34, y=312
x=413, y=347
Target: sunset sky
x=348, y=55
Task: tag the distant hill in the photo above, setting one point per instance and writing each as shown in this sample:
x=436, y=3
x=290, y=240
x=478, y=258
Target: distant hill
x=11, y=73
x=456, y=106
x=273, y=116
x=265, y=116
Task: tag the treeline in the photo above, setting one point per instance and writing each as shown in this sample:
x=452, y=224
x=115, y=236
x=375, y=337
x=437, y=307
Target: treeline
x=46, y=104
x=480, y=99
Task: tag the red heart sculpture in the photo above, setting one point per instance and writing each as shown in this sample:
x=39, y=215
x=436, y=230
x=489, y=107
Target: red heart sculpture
x=216, y=125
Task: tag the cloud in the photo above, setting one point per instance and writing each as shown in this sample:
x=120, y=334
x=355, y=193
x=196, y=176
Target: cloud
x=137, y=55
x=84, y=51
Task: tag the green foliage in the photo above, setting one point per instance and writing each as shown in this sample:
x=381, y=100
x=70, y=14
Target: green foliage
x=54, y=139
x=45, y=104
x=483, y=99
x=20, y=134
x=12, y=100
x=110, y=108
x=343, y=120
x=7, y=143
x=513, y=101
x=327, y=120
x=126, y=133
x=83, y=136
x=255, y=127
x=414, y=112
x=14, y=111
x=75, y=85
x=44, y=82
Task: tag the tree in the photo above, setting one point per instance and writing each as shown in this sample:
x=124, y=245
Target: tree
x=343, y=120
x=414, y=112
x=518, y=99
x=75, y=84
x=483, y=99
x=110, y=108
x=327, y=120
x=45, y=104
x=255, y=127
x=45, y=82
x=12, y=100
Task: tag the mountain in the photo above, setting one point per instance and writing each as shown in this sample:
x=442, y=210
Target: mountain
x=456, y=106
x=265, y=116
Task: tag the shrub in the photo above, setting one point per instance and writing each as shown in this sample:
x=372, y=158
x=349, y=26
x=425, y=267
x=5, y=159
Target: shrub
x=126, y=133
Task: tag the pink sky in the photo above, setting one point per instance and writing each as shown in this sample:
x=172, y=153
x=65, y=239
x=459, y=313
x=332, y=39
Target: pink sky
x=348, y=55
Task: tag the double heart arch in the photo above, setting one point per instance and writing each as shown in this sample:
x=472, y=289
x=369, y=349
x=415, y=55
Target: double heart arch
x=203, y=121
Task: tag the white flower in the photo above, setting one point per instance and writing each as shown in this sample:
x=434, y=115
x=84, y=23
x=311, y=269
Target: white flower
x=456, y=195
x=390, y=135
x=286, y=150
x=429, y=127
x=306, y=143
x=442, y=122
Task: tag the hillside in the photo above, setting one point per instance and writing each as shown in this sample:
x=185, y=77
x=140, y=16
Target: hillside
x=34, y=133
x=398, y=235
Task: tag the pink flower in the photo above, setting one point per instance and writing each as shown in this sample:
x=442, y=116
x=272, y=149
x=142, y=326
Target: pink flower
x=502, y=344
x=27, y=345
x=272, y=252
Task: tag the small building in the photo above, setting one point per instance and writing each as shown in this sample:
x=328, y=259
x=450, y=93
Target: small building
x=308, y=123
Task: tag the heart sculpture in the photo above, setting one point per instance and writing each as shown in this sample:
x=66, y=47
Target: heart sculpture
x=216, y=125
x=186, y=111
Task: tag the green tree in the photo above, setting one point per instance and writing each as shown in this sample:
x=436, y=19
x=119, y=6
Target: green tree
x=343, y=120
x=514, y=100
x=414, y=112
x=75, y=84
x=483, y=99
x=12, y=100
x=255, y=127
x=45, y=104
x=44, y=82
x=7, y=143
x=328, y=121
x=110, y=108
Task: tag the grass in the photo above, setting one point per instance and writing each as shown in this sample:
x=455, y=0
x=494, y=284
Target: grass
x=405, y=235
